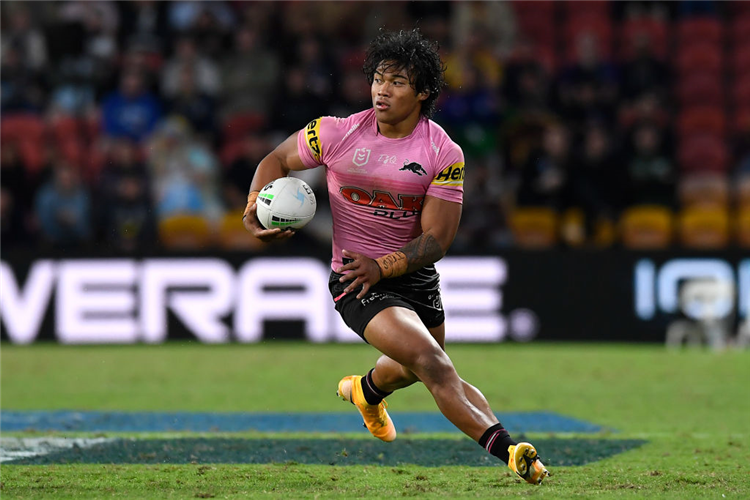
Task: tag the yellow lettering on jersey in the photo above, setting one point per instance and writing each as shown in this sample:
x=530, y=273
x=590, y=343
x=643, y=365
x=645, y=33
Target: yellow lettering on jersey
x=450, y=176
x=312, y=135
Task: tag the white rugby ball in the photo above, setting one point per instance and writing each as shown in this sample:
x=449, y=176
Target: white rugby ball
x=285, y=203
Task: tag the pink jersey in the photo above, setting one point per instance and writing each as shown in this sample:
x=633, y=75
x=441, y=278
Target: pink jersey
x=377, y=185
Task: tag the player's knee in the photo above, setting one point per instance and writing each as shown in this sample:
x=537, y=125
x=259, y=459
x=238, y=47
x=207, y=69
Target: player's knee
x=434, y=366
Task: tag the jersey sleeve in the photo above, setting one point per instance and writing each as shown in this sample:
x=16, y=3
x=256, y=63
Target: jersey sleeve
x=448, y=183
x=319, y=140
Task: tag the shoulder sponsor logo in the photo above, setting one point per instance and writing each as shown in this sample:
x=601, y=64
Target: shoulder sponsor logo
x=354, y=127
x=413, y=167
x=361, y=156
x=312, y=134
x=450, y=176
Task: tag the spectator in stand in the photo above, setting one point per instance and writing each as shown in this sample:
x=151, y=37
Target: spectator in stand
x=241, y=170
x=471, y=113
x=661, y=10
x=645, y=73
x=187, y=57
x=198, y=108
x=126, y=213
x=15, y=199
x=23, y=90
x=597, y=177
x=544, y=177
x=652, y=176
x=295, y=104
x=249, y=74
x=353, y=96
x=588, y=89
x=63, y=208
x=25, y=37
x=526, y=86
x=143, y=22
x=131, y=111
x=185, y=172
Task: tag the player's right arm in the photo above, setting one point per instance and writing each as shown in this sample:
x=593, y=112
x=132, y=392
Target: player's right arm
x=278, y=163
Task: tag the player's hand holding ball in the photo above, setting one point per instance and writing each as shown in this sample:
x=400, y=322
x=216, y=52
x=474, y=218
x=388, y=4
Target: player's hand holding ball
x=280, y=208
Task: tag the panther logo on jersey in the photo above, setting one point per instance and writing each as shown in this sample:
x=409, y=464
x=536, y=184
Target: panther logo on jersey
x=414, y=167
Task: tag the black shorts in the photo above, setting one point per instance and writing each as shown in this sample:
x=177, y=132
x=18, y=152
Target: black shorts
x=418, y=291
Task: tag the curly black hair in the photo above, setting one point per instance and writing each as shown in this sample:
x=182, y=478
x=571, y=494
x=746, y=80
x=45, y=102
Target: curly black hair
x=409, y=50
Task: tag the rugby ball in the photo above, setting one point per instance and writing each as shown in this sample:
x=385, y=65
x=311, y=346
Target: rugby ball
x=286, y=203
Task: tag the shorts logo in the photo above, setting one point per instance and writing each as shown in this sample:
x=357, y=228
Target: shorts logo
x=361, y=156
x=450, y=176
x=312, y=136
x=413, y=167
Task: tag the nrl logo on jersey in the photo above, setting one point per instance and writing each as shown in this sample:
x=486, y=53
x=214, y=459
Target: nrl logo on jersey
x=361, y=156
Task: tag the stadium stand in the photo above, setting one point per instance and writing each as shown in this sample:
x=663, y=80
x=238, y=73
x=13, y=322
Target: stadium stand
x=677, y=70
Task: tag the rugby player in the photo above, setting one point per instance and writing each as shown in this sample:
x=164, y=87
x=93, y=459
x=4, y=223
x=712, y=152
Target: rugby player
x=395, y=182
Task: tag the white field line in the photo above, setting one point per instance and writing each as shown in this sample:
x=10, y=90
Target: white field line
x=17, y=448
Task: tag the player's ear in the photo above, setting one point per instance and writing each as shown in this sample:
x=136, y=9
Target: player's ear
x=421, y=96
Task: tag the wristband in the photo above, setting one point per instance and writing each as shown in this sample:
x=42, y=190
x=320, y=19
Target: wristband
x=392, y=265
x=250, y=202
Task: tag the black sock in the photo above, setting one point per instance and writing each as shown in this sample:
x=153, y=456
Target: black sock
x=373, y=395
x=496, y=440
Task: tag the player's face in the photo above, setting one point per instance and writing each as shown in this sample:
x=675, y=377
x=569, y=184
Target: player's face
x=393, y=96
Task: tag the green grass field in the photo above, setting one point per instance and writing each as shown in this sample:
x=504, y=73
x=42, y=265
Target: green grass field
x=692, y=409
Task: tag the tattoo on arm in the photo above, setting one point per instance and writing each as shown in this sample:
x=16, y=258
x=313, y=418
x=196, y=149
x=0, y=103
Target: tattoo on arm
x=422, y=251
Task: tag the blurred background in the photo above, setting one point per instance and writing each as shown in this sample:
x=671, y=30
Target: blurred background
x=604, y=142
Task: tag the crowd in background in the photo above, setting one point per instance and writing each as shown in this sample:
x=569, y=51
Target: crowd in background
x=120, y=115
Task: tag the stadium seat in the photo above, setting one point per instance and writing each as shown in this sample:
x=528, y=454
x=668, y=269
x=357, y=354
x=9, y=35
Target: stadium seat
x=656, y=31
x=184, y=232
x=742, y=191
x=741, y=29
x=703, y=190
x=573, y=227
x=233, y=235
x=741, y=61
x=534, y=227
x=703, y=88
x=700, y=30
x=703, y=153
x=22, y=127
x=32, y=152
x=573, y=8
x=702, y=119
x=65, y=128
x=599, y=27
x=704, y=228
x=741, y=92
x=703, y=57
x=238, y=125
x=646, y=227
x=741, y=121
x=743, y=227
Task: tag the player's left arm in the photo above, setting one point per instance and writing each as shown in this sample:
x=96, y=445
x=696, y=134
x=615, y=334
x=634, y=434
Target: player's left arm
x=439, y=220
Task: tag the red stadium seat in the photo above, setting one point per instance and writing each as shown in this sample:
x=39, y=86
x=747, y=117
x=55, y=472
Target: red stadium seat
x=599, y=26
x=741, y=121
x=33, y=154
x=573, y=8
x=656, y=31
x=741, y=92
x=71, y=150
x=239, y=125
x=542, y=8
x=65, y=128
x=540, y=29
x=741, y=60
x=703, y=88
x=741, y=28
x=704, y=57
x=700, y=119
x=703, y=153
x=738, y=8
x=700, y=30
x=22, y=127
